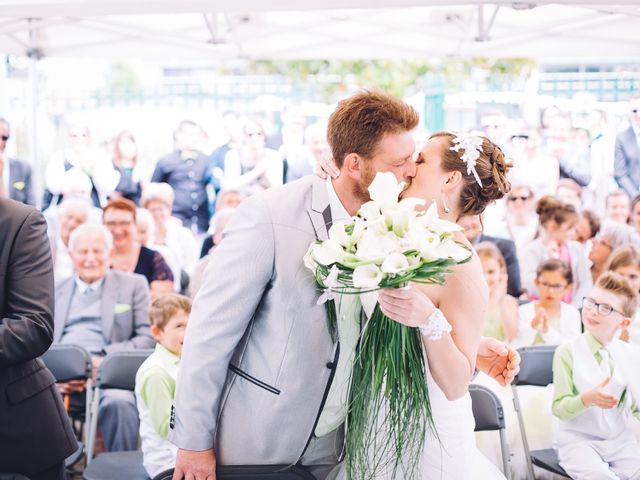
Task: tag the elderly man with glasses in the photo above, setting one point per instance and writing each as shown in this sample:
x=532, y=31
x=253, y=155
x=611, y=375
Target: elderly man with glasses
x=627, y=153
x=15, y=175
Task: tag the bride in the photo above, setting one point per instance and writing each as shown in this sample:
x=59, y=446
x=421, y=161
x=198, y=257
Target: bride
x=461, y=182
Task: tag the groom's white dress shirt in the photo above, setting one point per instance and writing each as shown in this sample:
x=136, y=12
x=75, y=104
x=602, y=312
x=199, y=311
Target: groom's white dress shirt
x=348, y=309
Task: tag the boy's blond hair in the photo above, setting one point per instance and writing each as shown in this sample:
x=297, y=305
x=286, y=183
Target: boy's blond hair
x=166, y=306
x=616, y=284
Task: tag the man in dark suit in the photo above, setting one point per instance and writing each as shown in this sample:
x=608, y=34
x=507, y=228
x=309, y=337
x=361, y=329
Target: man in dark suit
x=473, y=231
x=186, y=170
x=15, y=175
x=626, y=166
x=35, y=432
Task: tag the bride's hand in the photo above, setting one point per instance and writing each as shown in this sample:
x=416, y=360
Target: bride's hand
x=498, y=360
x=407, y=305
x=325, y=167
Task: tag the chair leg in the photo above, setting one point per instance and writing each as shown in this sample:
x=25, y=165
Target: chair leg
x=523, y=434
x=506, y=454
x=93, y=426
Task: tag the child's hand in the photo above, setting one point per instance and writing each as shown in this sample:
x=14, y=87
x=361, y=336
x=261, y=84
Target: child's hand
x=597, y=397
x=540, y=321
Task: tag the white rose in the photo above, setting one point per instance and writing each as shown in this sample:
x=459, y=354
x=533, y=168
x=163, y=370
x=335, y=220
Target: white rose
x=395, y=263
x=385, y=189
x=328, y=252
x=453, y=250
x=367, y=276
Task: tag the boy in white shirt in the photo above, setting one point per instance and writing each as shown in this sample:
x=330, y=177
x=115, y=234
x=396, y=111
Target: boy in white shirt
x=156, y=381
x=592, y=389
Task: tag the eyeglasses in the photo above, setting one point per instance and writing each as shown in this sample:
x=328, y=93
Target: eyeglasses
x=4, y=137
x=118, y=224
x=254, y=134
x=553, y=286
x=522, y=198
x=604, y=309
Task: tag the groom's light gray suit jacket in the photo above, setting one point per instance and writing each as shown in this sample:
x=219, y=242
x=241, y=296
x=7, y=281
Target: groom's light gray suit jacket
x=257, y=357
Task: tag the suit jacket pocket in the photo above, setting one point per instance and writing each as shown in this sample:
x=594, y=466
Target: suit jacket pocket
x=255, y=381
x=30, y=385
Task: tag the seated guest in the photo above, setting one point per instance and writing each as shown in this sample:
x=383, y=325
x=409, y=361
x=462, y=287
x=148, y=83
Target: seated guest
x=72, y=213
x=594, y=377
x=158, y=198
x=611, y=236
x=103, y=311
x=549, y=320
x=128, y=255
x=618, y=206
x=587, y=227
x=625, y=261
x=473, y=231
x=557, y=224
x=501, y=321
x=156, y=381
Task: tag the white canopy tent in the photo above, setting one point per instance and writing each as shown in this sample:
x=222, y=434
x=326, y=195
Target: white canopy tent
x=189, y=30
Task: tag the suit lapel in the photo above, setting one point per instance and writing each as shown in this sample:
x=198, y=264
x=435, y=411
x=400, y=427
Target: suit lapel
x=63, y=305
x=108, y=305
x=320, y=210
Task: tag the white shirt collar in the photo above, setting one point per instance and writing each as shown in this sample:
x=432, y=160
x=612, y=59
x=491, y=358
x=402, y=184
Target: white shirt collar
x=85, y=287
x=338, y=212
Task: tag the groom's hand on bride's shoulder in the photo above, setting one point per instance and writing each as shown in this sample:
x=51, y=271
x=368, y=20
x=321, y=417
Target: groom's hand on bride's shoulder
x=498, y=360
x=195, y=465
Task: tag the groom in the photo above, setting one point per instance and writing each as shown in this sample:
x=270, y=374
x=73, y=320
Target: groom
x=260, y=378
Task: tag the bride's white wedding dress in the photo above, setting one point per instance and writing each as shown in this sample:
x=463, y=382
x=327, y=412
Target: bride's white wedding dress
x=453, y=455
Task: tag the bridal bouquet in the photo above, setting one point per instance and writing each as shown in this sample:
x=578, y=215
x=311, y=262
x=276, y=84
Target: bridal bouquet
x=388, y=244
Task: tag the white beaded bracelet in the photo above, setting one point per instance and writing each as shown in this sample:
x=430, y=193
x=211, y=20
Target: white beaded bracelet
x=435, y=326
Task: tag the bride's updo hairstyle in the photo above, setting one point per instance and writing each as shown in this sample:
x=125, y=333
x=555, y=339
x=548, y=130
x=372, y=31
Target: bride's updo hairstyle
x=491, y=167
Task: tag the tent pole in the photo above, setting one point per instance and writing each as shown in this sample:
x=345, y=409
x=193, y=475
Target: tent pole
x=34, y=54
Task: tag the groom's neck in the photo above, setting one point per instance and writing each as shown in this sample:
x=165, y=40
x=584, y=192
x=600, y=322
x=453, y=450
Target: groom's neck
x=347, y=191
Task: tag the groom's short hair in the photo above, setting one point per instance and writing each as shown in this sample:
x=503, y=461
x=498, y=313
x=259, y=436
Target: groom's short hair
x=359, y=123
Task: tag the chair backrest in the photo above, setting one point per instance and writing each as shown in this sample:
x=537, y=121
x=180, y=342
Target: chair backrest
x=536, y=366
x=118, y=369
x=252, y=472
x=68, y=362
x=487, y=409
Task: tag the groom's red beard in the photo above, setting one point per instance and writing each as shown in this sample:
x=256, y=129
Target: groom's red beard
x=360, y=190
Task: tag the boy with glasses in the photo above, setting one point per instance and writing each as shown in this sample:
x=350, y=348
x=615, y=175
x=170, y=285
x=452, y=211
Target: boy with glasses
x=592, y=395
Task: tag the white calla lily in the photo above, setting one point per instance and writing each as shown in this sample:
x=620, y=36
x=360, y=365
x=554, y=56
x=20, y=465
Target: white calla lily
x=370, y=211
x=338, y=233
x=385, y=189
x=453, y=250
x=400, y=220
x=328, y=252
x=375, y=247
x=429, y=246
x=395, y=263
x=410, y=203
x=431, y=220
x=367, y=276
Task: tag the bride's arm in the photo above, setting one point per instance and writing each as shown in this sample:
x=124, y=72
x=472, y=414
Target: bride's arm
x=463, y=303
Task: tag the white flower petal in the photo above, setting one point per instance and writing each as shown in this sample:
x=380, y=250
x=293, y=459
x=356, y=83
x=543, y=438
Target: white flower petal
x=367, y=276
x=395, y=263
x=327, y=252
x=453, y=250
x=385, y=189
x=370, y=211
x=338, y=233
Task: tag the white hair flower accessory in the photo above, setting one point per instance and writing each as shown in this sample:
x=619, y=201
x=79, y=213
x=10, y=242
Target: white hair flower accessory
x=472, y=146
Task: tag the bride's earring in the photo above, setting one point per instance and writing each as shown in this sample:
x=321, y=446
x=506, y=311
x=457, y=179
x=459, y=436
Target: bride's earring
x=444, y=204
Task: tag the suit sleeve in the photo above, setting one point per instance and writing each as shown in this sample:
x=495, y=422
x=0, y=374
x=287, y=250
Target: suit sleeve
x=621, y=170
x=28, y=185
x=158, y=173
x=514, y=285
x=140, y=309
x=26, y=331
x=235, y=280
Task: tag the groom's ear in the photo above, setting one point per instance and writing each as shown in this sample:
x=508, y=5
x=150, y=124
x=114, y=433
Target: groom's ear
x=353, y=165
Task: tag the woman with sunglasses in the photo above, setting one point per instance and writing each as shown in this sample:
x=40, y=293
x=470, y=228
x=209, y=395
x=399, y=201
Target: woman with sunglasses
x=521, y=221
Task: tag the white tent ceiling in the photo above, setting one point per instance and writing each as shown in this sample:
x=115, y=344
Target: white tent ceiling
x=210, y=30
